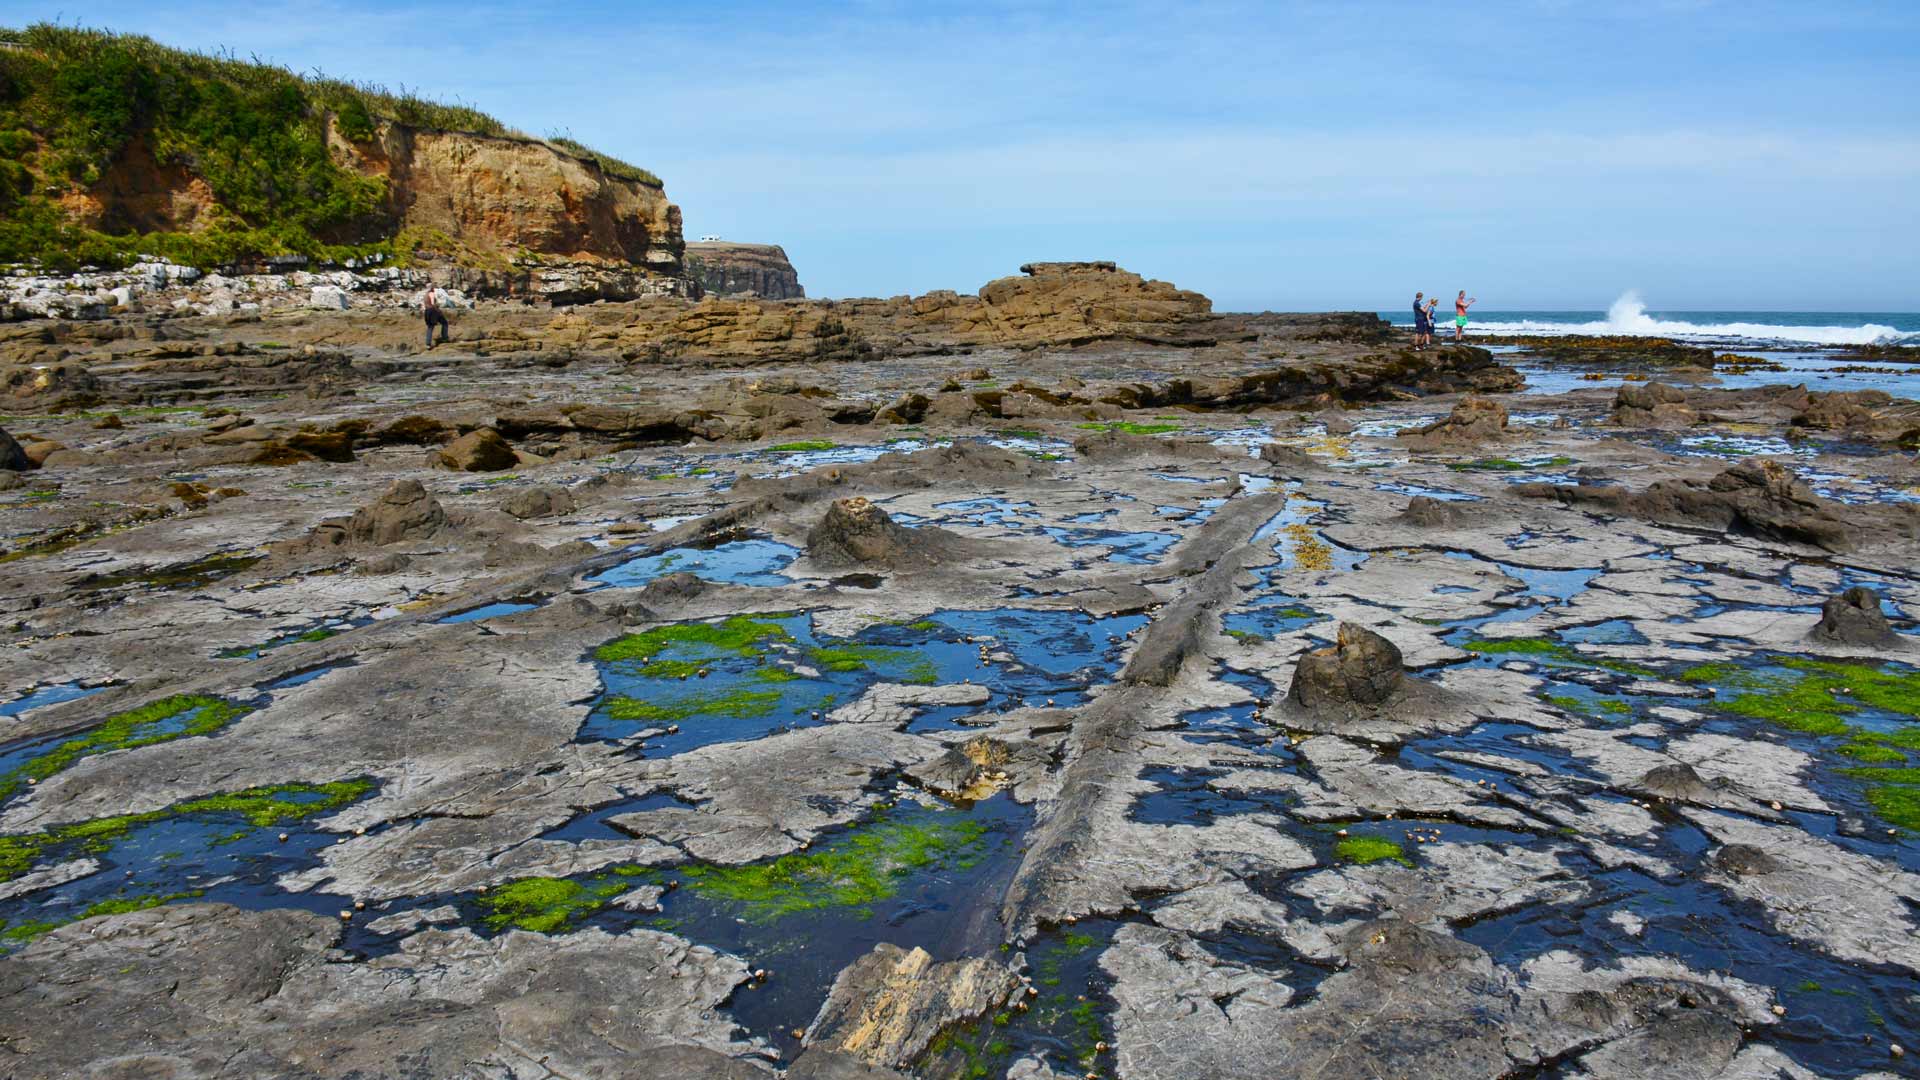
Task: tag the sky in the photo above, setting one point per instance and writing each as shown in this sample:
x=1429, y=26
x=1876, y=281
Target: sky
x=1287, y=156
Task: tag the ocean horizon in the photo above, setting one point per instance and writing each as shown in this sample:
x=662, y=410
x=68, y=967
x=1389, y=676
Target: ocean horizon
x=1629, y=316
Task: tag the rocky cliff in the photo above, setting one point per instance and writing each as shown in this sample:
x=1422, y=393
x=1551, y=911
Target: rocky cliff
x=724, y=268
x=113, y=146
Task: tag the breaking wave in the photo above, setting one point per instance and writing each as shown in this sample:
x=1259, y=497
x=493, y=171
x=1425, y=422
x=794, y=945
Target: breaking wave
x=1628, y=315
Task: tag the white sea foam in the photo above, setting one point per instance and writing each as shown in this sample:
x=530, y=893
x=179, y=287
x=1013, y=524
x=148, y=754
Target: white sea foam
x=1628, y=315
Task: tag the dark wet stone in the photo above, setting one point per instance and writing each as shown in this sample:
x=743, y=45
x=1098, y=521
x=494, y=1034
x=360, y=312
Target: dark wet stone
x=1679, y=782
x=1854, y=617
x=1744, y=860
x=1362, y=668
x=12, y=456
x=905, y=409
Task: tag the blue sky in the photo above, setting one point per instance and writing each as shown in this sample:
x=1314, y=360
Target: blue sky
x=1286, y=155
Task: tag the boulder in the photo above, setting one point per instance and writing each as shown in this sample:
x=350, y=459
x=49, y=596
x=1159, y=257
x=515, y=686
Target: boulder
x=405, y=512
x=1854, y=617
x=1361, y=668
x=1758, y=497
x=328, y=298
x=1426, y=512
x=887, y=1007
x=325, y=445
x=905, y=409
x=541, y=500
x=12, y=456
x=1285, y=456
x=1474, y=422
x=1653, y=405
x=414, y=431
x=39, y=450
x=855, y=532
x=479, y=450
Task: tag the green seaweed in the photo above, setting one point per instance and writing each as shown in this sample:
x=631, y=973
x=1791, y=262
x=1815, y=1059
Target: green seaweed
x=740, y=703
x=1549, y=650
x=853, y=871
x=549, y=905
x=126, y=731
x=1366, y=850
x=740, y=635
x=260, y=806
x=803, y=446
x=903, y=664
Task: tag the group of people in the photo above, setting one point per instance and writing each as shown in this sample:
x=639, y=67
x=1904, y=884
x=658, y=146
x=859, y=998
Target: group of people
x=1423, y=312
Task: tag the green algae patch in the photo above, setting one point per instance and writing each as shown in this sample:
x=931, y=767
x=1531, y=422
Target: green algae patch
x=859, y=869
x=1815, y=697
x=550, y=905
x=741, y=703
x=739, y=635
x=1894, y=794
x=1551, y=650
x=803, y=446
x=1508, y=464
x=896, y=662
x=147, y=725
x=1128, y=427
x=258, y=807
x=1367, y=850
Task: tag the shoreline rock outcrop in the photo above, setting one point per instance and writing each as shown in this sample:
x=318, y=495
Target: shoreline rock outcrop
x=723, y=268
x=1854, y=617
x=1760, y=497
x=1360, y=668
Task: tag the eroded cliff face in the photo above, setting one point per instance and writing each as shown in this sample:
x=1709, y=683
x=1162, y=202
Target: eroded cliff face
x=496, y=198
x=724, y=268
x=511, y=195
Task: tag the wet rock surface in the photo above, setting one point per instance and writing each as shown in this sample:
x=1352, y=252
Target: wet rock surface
x=1060, y=680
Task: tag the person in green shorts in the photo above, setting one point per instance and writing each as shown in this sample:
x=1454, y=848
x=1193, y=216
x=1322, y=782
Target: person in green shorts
x=1460, y=306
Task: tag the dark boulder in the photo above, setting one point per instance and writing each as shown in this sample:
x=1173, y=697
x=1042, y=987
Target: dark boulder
x=541, y=500
x=1474, y=422
x=855, y=532
x=12, y=456
x=1757, y=497
x=1854, y=617
x=1361, y=668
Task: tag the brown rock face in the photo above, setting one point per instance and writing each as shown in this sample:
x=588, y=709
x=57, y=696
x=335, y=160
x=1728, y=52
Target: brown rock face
x=1362, y=668
x=728, y=269
x=494, y=195
x=480, y=450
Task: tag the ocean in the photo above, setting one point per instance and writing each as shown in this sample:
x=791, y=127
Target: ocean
x=1629, y=315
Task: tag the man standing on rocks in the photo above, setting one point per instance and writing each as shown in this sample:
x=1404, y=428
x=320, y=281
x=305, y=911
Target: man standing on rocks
x=1421, y=327
x=1460, y=306
x=430, y=307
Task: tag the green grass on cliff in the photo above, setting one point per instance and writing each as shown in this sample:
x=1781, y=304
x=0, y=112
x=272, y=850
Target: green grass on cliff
x=77, y=104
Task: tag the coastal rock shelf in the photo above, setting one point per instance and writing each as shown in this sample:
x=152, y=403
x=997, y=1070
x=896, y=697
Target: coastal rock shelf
x=1060, y=681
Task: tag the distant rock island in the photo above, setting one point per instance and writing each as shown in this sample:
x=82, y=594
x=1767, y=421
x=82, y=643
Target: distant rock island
x=724, y=268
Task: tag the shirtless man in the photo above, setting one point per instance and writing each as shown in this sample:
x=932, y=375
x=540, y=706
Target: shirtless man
x=430, y=307
x=1460, y=306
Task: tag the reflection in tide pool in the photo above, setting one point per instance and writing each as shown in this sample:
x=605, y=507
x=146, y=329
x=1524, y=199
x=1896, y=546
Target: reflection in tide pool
x=739, y=562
